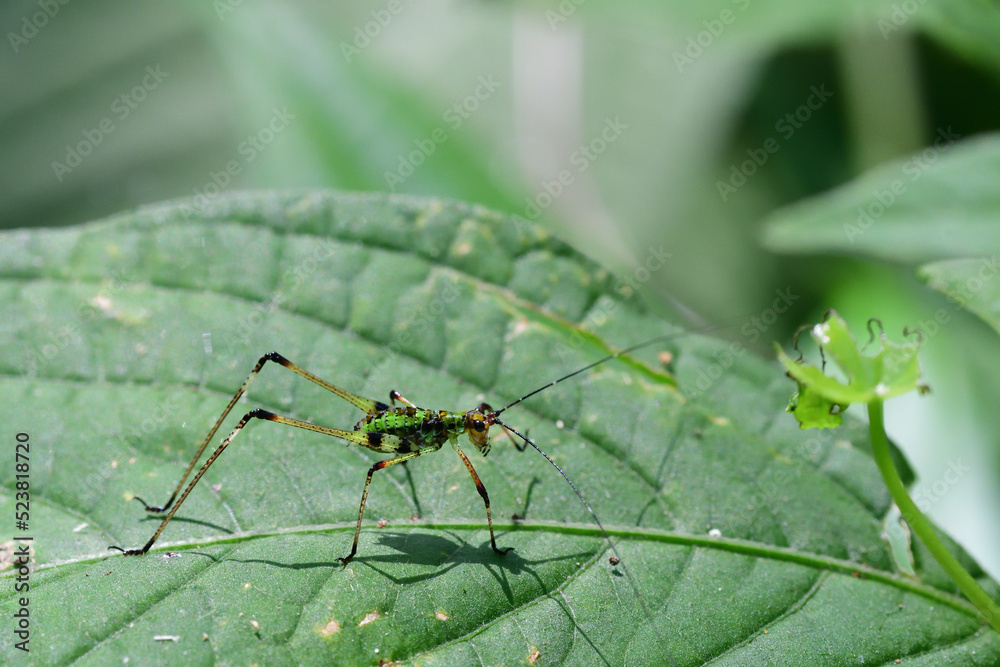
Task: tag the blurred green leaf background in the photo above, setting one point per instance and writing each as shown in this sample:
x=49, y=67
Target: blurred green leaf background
x=632, y=130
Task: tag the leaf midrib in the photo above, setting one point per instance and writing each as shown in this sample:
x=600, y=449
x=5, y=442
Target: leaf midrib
x=742, y=547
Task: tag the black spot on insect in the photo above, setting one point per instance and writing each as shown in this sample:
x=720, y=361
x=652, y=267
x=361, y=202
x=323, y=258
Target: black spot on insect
x=375, y=439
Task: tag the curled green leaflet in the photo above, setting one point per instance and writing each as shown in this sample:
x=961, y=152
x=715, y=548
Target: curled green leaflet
x=892, y=370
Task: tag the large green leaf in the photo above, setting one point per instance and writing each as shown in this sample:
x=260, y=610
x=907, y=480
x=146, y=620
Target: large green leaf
x=743, y=540
x=969, y=283
x=939, y=202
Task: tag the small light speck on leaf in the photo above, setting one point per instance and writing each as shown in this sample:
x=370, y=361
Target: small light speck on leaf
x=560, y=423
x=101, y=302
x=369, y=617
x=441, y=616
x=519, y=328
x=331, y=628
x=7, y=550
x=255, y=624
x=666, y=357
x=80, y=527
x=719, y=421
x=382, y=523
x=534, y=656
x=715, y=532
x=166, y=638
x=246, y=585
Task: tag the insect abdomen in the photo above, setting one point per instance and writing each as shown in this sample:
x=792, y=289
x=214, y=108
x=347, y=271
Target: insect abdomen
x=426, y=426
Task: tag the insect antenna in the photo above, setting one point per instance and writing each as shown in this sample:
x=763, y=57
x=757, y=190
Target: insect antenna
x=568, y=481
x=617, y=560
x=632, y=348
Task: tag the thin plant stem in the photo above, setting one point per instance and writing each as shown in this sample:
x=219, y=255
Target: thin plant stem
x=919, y=524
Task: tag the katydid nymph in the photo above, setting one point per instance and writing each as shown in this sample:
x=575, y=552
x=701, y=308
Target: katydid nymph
x=404, y=431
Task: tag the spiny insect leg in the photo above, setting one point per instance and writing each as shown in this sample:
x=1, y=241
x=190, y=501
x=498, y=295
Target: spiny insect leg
x=364, y=494
x=356, y=437
x=486, y=499
x=396, y=396
x=366, y=404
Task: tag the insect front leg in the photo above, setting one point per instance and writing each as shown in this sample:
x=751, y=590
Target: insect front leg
x=486, y=498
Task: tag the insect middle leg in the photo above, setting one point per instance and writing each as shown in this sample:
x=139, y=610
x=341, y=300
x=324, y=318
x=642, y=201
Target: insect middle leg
x=396, y=396
x=368, y=480
x=486, y=498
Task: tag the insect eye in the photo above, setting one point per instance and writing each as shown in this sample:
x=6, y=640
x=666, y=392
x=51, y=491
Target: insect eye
x=478, y=425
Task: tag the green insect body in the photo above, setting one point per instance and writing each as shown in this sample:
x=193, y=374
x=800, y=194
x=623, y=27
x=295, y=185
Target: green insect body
x=416, y=428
